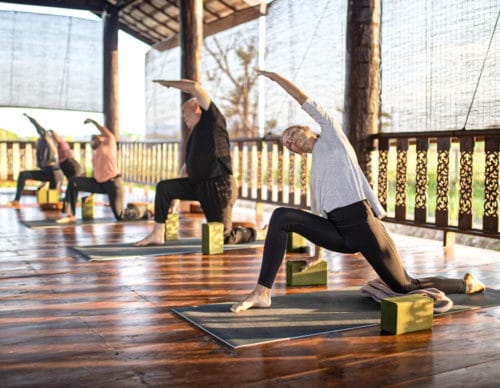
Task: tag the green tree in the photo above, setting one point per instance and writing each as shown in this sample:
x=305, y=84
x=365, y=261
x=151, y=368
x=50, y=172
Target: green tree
x=8, y=135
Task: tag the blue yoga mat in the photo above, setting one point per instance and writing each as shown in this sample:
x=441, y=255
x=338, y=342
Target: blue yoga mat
x=129, y=251
x=304, y=315
x=46, y=224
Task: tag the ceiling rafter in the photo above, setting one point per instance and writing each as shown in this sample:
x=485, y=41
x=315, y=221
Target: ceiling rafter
x=158, y=23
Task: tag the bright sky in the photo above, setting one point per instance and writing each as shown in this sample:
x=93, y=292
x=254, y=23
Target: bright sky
x=131, y=57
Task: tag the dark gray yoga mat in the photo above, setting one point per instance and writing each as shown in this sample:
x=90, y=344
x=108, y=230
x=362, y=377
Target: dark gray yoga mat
x=304, y=315
x=45, y=224
x=128, y=251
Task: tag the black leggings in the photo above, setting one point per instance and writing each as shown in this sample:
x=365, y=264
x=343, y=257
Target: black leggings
x=216, y=196
x=48, y=174
x=113, y=188
x=349, y=229
x=71, y=167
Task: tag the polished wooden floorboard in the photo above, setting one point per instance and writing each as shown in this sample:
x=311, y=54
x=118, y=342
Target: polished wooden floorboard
x=65, y=321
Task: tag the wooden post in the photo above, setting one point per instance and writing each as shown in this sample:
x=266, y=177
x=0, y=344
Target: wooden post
x=191, y=40
x=362, y=86
x=110, y=69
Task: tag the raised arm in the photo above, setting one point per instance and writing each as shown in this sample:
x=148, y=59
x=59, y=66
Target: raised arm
x=41, y=130
x=104, y=131
x=286, y=84
x=56, y=136
x=190, y=87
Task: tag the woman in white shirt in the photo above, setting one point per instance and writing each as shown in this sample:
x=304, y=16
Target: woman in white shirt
x=346, y=213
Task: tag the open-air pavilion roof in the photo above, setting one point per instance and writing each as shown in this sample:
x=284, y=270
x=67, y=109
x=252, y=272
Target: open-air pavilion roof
x=156, y=22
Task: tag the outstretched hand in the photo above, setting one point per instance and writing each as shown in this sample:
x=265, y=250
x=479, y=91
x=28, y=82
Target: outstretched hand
x=186, y=85
x=190, y=87
x=292, y=89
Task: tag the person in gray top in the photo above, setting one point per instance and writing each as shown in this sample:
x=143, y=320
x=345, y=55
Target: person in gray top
x=346, y=213
x=46, y=160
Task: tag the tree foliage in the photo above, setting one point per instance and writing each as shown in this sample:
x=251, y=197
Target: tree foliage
x=237, y=62
x=8, y=135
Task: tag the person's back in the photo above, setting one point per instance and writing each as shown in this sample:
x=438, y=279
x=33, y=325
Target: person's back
x=207, y=150
x=46, y=152
x=104, y=159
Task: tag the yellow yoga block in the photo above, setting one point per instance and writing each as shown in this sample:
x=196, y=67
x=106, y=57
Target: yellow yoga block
x=317, y=275
x=296, y=243
x=88, y=207
x=172, y=227
x=212, y=238
x=47, y=195
x=53, y=196
x=407, y=313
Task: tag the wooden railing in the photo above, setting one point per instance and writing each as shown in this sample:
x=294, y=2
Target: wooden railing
x=16, y=156
x=149, y=162
x=444, y=180
x=267, y=172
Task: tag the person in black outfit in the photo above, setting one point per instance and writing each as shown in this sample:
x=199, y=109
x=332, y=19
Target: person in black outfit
x=206, y=175
x=46, y=159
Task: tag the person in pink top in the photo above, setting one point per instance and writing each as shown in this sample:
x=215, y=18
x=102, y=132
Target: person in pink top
x=106, y=179
x=69, y=165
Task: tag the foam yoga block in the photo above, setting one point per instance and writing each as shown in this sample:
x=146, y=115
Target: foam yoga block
x=212, y=238
x=172, y=227
x=48, y=196
x=404, y=314
x=88, y=207
x=317, y=275
x=296, y=243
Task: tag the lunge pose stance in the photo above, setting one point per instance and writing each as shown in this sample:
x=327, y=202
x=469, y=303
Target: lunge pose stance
x=206, y=175
x=106, y=179
x=349, y=211
x=46, y=160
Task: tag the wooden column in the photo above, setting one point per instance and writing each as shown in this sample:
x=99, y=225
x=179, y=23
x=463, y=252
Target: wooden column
x=362, y=87
x=110, y=69
x=191, y=40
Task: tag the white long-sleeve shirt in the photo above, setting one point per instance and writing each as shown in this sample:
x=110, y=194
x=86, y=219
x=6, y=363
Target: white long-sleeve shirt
x=336, y=177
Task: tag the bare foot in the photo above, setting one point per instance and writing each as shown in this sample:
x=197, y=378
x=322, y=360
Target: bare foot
x=150, y=240
x=66, y=220
x=156, y=237
x=472, y=284
x=13, y=203
x=260, y=297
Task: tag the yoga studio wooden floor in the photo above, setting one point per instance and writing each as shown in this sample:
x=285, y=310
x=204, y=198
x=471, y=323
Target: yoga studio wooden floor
x=67, y=322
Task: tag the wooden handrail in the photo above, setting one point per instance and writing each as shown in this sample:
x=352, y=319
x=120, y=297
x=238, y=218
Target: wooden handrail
x=415, y=174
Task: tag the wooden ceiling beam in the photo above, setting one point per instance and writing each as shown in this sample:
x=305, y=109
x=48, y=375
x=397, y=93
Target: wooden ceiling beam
x=233, y=20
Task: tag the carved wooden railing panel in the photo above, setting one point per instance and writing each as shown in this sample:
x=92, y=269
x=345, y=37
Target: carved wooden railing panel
x=468, y=160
